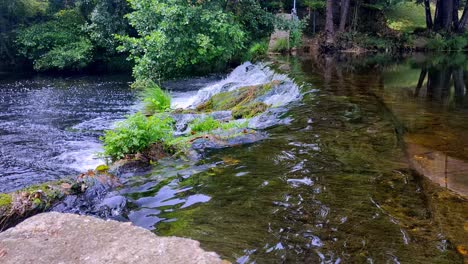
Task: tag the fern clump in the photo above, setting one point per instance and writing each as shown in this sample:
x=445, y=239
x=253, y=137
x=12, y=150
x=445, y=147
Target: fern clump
x=136, y=134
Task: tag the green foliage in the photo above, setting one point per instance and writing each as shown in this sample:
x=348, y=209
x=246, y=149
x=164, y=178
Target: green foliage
x=5, y=200
x=234, y=124
x=273, y=5
x=256, y=22
x=135, y=134
x=106, y=20
x=249, y=110
x=75, y=55
x=204, y=125
x=155, y=99
x=257, y=51
x=57, y=44
x=177, y=38
x=295, y=35
x=62, y=35
x=315, y=4
x=406, y=17
x=349, y=40
x=209, y=124
x=281, y=45
x=457, y=43
x=448, y=43
x=295, y=28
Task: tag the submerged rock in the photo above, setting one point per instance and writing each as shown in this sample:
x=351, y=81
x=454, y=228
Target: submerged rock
x=92, y=198
x=67, y=238
x=229, y=138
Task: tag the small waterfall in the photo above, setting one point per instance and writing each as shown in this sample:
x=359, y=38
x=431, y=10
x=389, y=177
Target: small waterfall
x=247, y=74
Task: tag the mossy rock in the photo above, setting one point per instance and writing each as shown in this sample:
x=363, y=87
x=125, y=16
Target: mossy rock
x=102, y=168
x=5, y=200
x=248, y=111
x=242, y=101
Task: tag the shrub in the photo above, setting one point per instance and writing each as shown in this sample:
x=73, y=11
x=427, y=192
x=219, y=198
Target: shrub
x=180, y=37
x=257, y=51
x=436, y=43
x=457, y=43
x=135, y=134
x=155, y=99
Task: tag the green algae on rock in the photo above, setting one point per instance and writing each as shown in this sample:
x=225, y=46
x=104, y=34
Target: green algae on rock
x=243, y=102
x=18, y=205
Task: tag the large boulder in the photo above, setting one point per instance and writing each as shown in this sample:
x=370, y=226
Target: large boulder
x=67, y=238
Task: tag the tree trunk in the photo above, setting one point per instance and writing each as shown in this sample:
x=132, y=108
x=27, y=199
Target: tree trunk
x=444, y=15
x=427, y=6
x=459, y=85
x=329, y=27
x=455, y=19
x=314, y=22
x=422, y=77
x=464, y=19
x=344, y=15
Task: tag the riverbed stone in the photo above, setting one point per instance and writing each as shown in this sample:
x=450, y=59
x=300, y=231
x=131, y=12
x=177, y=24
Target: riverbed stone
x=68, y=238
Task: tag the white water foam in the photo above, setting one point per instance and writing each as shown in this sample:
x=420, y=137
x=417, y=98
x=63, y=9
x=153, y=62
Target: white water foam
x=82, y=156
x=247, y=74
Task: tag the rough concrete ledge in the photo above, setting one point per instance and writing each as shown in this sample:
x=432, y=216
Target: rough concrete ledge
x=66, y=238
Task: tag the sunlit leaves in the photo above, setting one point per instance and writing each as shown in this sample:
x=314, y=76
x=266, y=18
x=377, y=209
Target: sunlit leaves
x=177, y=38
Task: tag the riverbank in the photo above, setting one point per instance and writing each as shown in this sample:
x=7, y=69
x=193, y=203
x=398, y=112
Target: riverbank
x=67, y=238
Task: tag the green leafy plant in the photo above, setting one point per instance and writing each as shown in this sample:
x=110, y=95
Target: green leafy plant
x=180, y=37
x=257, y=50
x=204, y=125
x=57, y=44
x=155, y=99
x=135, y=134
x=234, y=124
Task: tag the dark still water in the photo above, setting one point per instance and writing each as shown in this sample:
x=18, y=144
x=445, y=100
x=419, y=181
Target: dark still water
x=49, y=127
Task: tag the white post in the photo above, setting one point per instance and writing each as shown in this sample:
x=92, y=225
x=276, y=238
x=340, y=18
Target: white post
x=294, y=11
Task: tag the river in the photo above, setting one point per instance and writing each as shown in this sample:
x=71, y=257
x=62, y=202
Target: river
x=340, y=182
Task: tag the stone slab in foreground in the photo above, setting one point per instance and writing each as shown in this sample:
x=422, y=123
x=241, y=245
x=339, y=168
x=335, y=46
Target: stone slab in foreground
x=67, y=238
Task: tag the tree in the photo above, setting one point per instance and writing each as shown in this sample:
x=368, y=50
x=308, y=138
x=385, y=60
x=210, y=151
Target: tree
x=464, y=19
x=329, y=25
x=427, y=9
x=446, y=15
x=343, y=14
x=57, y=44
x=313, y=6
x=176, y=38
x=15, y=13
x=105, y=20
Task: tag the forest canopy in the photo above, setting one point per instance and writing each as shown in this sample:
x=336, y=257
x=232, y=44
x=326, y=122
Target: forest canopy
x=171, y=38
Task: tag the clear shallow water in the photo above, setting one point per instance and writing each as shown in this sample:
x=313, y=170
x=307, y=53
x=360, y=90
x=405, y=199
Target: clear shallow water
x=49, y=127
x=336, y=185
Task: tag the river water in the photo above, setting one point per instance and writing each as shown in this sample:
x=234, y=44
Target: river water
x=49, y=126
x=340, y=182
